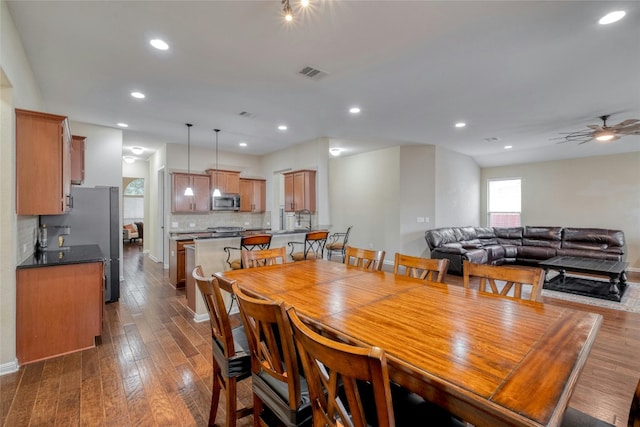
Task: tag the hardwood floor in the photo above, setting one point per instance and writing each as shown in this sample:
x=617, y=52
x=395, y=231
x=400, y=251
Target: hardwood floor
x=152, y=365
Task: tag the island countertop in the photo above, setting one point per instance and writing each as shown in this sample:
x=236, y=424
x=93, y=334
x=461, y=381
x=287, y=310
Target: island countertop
x=71, y=255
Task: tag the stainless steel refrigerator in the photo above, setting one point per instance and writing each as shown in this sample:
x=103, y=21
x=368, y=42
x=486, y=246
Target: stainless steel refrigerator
x=94, y=219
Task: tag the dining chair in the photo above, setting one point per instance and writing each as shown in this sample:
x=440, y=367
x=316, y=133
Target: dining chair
x=513, y=278
x=262, y=257
x=312, y=247
x=230, y=348
x=430, y=269
x=575, y=418
x=278, y=388
x=349, y=385
x=364, y=258
x=248, y=243
x=337, y=242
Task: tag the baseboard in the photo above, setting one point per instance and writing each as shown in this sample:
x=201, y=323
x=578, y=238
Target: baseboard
x=8, y=368
x=154, y=259
x=634, y=269
x=198, y=318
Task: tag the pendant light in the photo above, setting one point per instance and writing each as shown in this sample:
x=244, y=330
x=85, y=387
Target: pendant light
x=216, y=191
x=188, y=191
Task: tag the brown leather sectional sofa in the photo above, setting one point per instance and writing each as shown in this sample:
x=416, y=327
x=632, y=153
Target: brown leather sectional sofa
x=521, y=245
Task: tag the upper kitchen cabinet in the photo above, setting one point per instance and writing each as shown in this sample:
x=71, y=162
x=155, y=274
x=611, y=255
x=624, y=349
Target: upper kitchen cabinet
x=77, y=159
x=43, y=164
x=199, y=202
x=227, y=181
x=300, y=191
x=252, y=195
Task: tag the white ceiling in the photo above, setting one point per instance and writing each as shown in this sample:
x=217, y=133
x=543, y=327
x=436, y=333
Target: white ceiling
x=520, y=71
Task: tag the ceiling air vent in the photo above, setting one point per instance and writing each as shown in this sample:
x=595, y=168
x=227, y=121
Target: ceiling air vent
x=313, y=73
x=247, y=114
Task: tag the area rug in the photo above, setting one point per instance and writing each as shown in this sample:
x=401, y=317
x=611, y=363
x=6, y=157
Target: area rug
x=630, y=300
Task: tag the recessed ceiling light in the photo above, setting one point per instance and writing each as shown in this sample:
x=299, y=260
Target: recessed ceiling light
x=460, y=124
x=612, y=17
x=354, y=110
x=243, y=144
x=282, y=127
x=138, y=95
x=335, y=151
x=137, y=150
x=123, y=125
x=507, y=147
x=129, y=159
x=304, y=3
x=159, y=44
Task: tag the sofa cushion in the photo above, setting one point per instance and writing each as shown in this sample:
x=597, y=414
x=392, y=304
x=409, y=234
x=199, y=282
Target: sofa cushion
x=584, y=253
x=439, y=237
x=465, y=233
x=598, y=239
x=549, y=237
x=471, y=244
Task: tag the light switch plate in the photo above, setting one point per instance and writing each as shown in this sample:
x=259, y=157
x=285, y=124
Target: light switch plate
x=174, y=225
x=420, y=219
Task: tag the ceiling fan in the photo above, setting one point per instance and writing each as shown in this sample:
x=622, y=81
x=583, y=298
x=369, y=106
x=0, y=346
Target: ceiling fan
x=603, y=133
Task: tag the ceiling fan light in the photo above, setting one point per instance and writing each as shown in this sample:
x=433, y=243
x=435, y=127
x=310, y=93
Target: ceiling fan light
x=604, y=136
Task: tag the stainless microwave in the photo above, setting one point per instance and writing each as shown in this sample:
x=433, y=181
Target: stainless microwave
x=225, y=202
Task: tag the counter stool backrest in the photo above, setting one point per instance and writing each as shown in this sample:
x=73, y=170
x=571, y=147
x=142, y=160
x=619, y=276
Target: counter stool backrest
x=248, y=243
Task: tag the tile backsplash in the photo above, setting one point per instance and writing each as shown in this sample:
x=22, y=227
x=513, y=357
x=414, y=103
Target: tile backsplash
x=178, y=222
x=26, y=239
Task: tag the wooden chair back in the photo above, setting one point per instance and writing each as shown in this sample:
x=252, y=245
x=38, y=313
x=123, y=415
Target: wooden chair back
x=218, y=316
x=273, y=352
x=430, y=269
x=314, y=242
x=262, y=257
x=249, y=243
x=514, y=278
x=364, y=258
x=333, y=371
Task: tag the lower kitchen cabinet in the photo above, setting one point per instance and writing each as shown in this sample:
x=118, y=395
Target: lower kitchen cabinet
x=177, y=262
x=58, y=309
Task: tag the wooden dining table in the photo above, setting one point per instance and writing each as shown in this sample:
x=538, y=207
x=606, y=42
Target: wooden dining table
x=491, y=360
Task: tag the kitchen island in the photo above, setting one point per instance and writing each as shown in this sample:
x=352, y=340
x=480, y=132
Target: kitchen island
x=208, y=251
x=59, y=302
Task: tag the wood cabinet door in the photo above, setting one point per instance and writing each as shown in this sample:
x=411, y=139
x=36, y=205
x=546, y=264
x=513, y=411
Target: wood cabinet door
x=232, y=182
x=201, y=193
x=259, y=195
x=180, y=202
x=43, y=152
x=289, y=205
x=246, y=195
x=77, y=159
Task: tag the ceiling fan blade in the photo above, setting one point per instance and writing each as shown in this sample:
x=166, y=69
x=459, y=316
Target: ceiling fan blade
x=629, y=130
x=595, y=127
x=626, y=123
x=585, y=141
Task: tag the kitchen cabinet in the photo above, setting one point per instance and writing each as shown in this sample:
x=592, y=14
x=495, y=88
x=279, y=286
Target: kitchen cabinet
x=201, y=199
x=77, y=159
x=43, y=164
x=177, y=262
x=300, y=191
x=227, y=181
x=58, y=309
x=252, y=195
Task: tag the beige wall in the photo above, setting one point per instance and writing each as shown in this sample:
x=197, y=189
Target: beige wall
x=457, y=190
x=602, y=192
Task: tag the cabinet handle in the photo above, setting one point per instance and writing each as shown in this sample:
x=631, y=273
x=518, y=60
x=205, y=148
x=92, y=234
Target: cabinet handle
x=69, y=200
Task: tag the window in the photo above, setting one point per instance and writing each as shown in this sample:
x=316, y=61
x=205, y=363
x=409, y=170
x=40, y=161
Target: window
x=504, y=202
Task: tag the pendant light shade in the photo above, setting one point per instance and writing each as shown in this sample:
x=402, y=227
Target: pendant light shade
x=216, y=190
x=188, y=191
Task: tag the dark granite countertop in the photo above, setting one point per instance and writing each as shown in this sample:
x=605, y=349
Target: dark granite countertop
x=71, y=255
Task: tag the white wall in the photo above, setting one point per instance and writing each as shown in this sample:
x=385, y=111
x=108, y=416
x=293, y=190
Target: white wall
x=139, y=169
x=457, y=190
x=602, y=192
x=364, y=192
x=417, y=197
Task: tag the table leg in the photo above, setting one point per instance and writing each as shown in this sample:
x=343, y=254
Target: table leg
x=613, y=286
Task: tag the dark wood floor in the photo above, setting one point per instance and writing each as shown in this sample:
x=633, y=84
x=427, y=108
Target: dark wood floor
x=152, y=365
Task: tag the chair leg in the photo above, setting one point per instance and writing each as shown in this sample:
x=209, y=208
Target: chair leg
x=232, y=402
x=215, y=394
x=257, y=411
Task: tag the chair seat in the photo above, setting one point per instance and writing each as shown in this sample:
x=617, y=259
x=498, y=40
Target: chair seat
x=574, y=418
x=299, y=256
x=240, y=364
x=335, y=246
x=276, y=396
x=235, y=264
